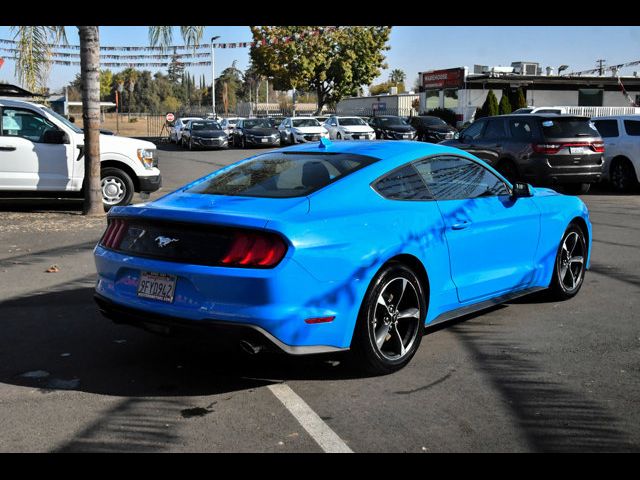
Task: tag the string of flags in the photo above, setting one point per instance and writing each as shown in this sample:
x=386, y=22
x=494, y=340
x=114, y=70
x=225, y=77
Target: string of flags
x=120, y=57
x=274, y=40
x=613, y=68
x=125, y=64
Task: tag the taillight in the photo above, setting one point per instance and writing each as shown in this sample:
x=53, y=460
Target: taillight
x=114, y=233
x=255, y=249
x=597, y=147
x=546, y=148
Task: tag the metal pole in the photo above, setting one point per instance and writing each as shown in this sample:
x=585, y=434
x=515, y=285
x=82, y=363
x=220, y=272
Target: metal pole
x=213, y=79
x=267, y=97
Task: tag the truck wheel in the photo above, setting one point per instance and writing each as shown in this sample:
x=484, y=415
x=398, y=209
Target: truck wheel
x=622, y=175
x=117, y=187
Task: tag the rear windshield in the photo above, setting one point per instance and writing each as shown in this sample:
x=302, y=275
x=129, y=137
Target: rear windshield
x=282, y=175
x=567, y=127
x=431, y=121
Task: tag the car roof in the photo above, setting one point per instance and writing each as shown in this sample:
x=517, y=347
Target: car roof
x=615, y=117
x=550, y=116
x=8, y=102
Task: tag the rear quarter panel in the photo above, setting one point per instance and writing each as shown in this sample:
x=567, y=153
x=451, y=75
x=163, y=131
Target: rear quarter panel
x=350, y=232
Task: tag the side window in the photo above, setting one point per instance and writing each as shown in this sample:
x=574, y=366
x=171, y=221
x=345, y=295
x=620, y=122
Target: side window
x=632, y=127
x=450, y=178
x=520, y=130
x=25, y=124
x=607, y=128
x=402, y=184
x=495, y=129
x=474, y=130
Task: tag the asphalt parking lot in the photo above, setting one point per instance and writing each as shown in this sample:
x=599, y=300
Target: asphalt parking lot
x=529, y=376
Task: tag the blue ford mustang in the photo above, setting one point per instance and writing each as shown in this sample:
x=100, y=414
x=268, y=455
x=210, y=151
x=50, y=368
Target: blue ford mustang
x=325, y=247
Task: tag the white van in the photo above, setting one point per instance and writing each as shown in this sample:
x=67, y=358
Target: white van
x=41, y=154
x=621, y=135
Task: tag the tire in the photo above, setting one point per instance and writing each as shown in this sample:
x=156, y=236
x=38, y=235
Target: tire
x=338, y=136
x=622, y=176
x=576, y=188
x=508, y=170
x=570, y=259
x=292, y=140
x=190, y=144
x=243, y=143
x=380, y=331
x=117, y=187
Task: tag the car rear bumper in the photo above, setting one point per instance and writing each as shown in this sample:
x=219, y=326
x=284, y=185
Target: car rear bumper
x=544, y=171
x=273, y=302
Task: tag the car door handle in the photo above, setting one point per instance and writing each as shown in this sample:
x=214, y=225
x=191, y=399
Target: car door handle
x=7, y=148
x=461, y=225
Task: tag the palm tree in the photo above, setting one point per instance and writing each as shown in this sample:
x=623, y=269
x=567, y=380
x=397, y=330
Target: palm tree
x=397, y=76
x=32, y=61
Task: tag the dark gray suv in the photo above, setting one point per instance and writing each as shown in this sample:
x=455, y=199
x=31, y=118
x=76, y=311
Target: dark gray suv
x=541, y=149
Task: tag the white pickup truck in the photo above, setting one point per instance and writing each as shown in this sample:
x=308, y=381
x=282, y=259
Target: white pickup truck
x=42, y=154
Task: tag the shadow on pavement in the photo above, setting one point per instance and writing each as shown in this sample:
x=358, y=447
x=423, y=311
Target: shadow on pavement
x=62, y=334
x=72, y=206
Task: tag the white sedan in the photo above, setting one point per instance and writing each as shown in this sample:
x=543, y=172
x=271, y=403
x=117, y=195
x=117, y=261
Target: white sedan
x=229, y=124
x=175, y=132
x=349, y=128
x=300, y=130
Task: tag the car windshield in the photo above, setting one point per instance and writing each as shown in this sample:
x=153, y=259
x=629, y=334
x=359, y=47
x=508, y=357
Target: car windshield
x=566, y=127
x=392, y=121
x=432, y=121
x=205, y=125
x=60, y=118
x=282, y=175
x=305, y=122
x=352, y=121
x=258, y=123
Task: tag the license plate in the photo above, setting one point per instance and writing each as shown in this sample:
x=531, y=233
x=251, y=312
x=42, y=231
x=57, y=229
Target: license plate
x=157, y=286
x=578, y=150
x=264, y=140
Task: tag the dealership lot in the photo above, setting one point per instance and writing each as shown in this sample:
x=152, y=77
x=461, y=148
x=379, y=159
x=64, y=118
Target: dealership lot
x=528, y=376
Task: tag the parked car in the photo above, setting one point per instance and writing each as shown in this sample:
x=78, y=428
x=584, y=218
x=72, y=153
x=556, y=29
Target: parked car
x=542, y=149
x=621, y=135
x=229, y=124
x=300, y=130
x=255, y=131
x=42, y=154
x=391, y=127
x=432, y=129
x=348, y=128
x=204, y=134
x=175, y=131
x=315, y=248
x=556, y=110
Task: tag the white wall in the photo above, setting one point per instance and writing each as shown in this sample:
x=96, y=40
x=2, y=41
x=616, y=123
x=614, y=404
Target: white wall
x=549, y=98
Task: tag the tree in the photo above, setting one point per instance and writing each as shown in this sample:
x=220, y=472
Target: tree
x=175, y=71
x=521, y=101
x=385, y=87
x=504, y=107
x=32, y=61
x=331, y=63
x=397, y=76
x=490, y=106
x=106, y=83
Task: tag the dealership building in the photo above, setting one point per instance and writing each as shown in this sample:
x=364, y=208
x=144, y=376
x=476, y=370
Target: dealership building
x=463, y=91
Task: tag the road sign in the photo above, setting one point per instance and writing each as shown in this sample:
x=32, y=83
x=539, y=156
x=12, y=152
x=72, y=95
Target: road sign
x=170, y=117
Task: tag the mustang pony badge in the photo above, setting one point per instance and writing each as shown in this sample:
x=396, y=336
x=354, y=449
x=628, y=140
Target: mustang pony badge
x=164, y=241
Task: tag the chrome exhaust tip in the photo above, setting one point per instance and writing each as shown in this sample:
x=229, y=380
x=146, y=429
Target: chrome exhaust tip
x=250, y=348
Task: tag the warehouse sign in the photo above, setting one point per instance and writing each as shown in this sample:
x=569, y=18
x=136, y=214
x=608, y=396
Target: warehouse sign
x=450, y=78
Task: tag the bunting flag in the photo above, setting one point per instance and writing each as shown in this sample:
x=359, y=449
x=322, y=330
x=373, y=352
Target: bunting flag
x=625, y=93
x=126, y=64
x=1, y=62
x=264, y=41
x=613, y=68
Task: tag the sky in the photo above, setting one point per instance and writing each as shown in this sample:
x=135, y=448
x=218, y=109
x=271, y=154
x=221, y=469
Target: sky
x=413, y=48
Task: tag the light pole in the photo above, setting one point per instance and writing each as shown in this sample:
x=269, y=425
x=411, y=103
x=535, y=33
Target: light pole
x=213, y=79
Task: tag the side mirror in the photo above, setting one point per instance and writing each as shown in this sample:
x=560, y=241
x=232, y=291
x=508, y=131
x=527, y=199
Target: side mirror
x=55, y=136
x=521, y=189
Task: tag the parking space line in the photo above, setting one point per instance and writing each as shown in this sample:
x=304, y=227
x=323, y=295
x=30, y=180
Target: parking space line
x=328, y=440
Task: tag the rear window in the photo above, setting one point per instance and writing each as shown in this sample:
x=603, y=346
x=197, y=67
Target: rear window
x=607, y=128
x=632, y=127
x=282, y=175
x=567, y=127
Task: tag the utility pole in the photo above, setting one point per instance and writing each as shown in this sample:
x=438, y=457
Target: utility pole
x=600, y=63
x=213, y=79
